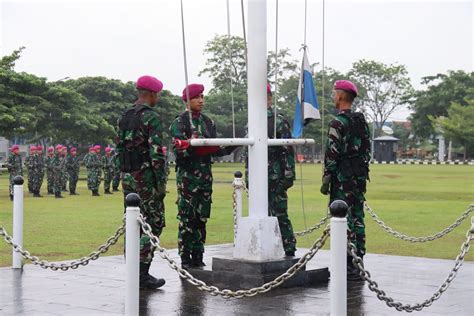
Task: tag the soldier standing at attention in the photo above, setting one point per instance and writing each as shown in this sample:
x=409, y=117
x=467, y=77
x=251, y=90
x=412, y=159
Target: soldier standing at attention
x=35, y=168
x=14, y=166
x=29, y=162
x=108, y=167
x=281, y=174
x=56, y=167
x=141, y=160
x=346, y=165
x=72, y=166
x=41, y=165
x=49, y=169
x=92, y=163
x=193, y=176
x=64, y=173
x=116, y=178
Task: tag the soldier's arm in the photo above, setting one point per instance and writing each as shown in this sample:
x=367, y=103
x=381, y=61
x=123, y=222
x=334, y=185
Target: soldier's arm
x=284, y=130
x=333, y=147
x=177, y=131
x=155, y=141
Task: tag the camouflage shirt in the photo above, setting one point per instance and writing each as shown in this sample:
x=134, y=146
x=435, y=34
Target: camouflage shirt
x=344, y=143
x=147, y=139
x=14, y=164
x=72, y=164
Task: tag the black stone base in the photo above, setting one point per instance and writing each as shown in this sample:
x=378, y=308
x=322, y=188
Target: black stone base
x=237, y=274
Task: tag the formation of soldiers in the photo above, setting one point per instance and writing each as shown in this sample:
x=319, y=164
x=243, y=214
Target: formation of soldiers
x=140, y=163
x=62, y=168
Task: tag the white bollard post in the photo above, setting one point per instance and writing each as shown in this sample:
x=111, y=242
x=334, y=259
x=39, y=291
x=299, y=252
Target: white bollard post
x=238, y=181
x=132, y=255
x=338, y=266
x=17, y=259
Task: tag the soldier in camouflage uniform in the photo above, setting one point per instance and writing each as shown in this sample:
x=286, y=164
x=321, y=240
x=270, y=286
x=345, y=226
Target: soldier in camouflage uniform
x=108, y=167
x=281, y=174
x=29, y=163
x=63, y=163
x=141, y=160
x=14, y=166
x=41, y=167
x=48, y=162
x=193, y=176
x=116, y=174
x=93, y=165
x=35, y=166
x=57, y=169
x=346, y=165
x=72, y=167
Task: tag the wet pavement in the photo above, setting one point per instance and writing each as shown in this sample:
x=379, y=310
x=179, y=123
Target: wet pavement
x=98, y=289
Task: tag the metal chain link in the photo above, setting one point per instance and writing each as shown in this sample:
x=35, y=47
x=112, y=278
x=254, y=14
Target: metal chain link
x=312, y=229
x=381, y=295
x=300, y=233
x=226, y=293
x=405, y=237
x=65, y=266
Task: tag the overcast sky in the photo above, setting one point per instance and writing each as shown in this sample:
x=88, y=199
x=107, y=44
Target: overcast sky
x=125, y=39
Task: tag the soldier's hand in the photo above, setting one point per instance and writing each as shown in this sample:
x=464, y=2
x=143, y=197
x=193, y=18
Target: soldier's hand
x=325, y=186
x=181, y=144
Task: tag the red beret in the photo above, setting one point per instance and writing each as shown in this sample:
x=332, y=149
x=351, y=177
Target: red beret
x=15, y=147
x=346, y=85
x=39, y=147
x=108, y=149
x=51, y=149
x=59, y=146
x=195, y=89
x=149, y=83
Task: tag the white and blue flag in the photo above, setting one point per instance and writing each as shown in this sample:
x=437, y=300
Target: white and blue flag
x=307, y=107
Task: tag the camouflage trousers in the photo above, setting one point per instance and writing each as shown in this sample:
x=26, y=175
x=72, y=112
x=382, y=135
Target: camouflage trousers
x=57, y=182
x=35, y=180
x=73, y=178
x=93, y=179
x=108, y=176
x=194, y=209
x=64, y=178
x=278, y=206
x=152, y=206
x=116, y=181
x=352, y=192
x=50, y=181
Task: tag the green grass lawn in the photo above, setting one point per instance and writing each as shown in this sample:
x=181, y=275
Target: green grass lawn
x=418, y=200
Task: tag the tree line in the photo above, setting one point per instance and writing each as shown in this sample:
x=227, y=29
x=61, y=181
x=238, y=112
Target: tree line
x=84, y=111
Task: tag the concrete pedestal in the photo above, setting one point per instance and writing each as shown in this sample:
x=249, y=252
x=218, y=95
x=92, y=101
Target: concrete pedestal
x=237, y=274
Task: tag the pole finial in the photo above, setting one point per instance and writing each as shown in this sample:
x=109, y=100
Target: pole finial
x=18, y=180
x=338, y=208
x=132, y=200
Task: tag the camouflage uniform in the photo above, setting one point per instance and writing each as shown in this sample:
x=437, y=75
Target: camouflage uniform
x=346, y=160
x=64, y=173
x=141, y=160
x=116, y=174
x=56, y=169
x=72, y=167
x=15, y=168
x=281, y=174
x=35, y=166
x=93, y=165
x=29, y=162
x=108, y=167
x=48, y=162
x=194, y=183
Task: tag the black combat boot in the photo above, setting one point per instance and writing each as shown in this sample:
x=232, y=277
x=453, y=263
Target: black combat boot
x=186, y=262
x=95, y=193
x=197, y=259
x=58, y=195
x=11, y=197
x=115, y=190
x=37, y=194
x=107, y=191
x=147, y=281
x=72, y=192
x=290, y=253
x=353, y=271
x=50, y=192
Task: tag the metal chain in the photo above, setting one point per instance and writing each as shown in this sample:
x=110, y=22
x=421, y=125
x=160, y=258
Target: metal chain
x=312, y=229
x=405, y=237
x=226, y=293
x=65, y=266
x=381, y=295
